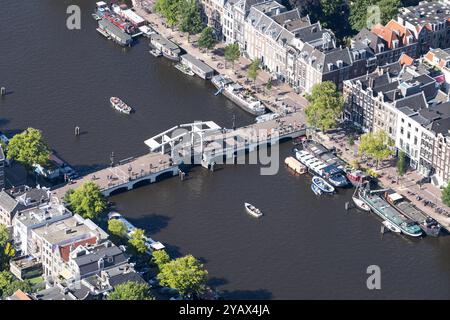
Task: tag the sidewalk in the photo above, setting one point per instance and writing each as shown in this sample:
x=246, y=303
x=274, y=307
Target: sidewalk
x=281, y=97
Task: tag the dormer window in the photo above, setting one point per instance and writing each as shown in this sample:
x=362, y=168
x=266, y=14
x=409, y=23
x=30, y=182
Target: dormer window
x=395, y=44
x=339, y=63
x=380, y=47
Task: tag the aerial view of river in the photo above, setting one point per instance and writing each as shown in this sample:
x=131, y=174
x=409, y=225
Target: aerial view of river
x=304, y=246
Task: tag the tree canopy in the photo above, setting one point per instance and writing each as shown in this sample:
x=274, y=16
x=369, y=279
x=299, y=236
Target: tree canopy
x=130, y=290
x=253, y=69
x=7, y=250
x=9, y=284
x=29, y=148
x=377, y=145
x=169, y=9
x=401, y=163
x=325, y=107
x=190, y=19
x=160, y=258
x=137, y=241
x=86, y=201
x=232, y=52
x=117, y=228
x=366, y=13
x=446, y=195
x=206, y=39
x=186, y=274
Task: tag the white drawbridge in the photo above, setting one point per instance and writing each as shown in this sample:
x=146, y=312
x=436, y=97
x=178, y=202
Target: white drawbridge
x=183, y=136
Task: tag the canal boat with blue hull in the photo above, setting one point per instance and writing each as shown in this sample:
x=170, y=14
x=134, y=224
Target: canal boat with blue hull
x=322, y=185
x=335, y=175
x=386, y=212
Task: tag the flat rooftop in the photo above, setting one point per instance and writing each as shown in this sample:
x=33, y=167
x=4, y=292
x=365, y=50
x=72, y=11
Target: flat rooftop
x=67, y=229
x=41, y=214
x=426, y=12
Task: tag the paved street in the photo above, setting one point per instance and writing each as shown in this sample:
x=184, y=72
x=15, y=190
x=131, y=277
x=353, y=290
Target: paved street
x=281, y=96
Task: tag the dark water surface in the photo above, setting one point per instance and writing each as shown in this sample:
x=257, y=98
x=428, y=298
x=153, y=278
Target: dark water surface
x=304, y=247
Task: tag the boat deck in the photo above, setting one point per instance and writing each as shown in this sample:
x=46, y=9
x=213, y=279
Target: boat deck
x=382, y=207
x=412, y=212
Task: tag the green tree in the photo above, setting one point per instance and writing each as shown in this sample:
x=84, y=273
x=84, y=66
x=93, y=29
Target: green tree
x=190, y=18
x=351, y=140
x=160, y=258
x=170, y=10
x=137, y=241
x=326, y=105
x=269, y=84
x=186, y=274
x=446, y=195
x=329, y=7
x=7, y=250
x=117, y=228
x=131, y=290
x=87, y=200
x=4, y=235
x=377, y=145
x=253, y=70
x=29, y=148
x=232, y=53
x=401, y=163
x=389, y=9
x=362, y=17
x=206, y=40
x=9, y=284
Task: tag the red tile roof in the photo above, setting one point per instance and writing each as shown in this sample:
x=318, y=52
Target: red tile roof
x=20, y=295
x=385, y=33
x=405, y=59
x=65, y=250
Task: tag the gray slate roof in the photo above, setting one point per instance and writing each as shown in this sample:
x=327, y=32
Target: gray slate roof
x=8, y=203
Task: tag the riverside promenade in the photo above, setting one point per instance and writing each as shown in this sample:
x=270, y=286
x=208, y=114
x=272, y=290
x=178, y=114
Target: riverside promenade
x=280, y=98
x=388, y=178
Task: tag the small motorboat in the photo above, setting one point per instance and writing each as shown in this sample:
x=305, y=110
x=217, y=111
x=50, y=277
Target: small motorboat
x=185, y=69
x=316, y=189
x=391, y=227
x=322, y=184
x=252, y=210
x=360, y=204
x=119, y=105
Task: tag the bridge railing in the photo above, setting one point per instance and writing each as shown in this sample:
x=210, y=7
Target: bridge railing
x=133, y=176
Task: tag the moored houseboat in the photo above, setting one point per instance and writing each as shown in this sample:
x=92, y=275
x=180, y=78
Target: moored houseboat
x=430, y=226
x=295, y=165
x=387, y=212
x=169, y=49
x=239, y=95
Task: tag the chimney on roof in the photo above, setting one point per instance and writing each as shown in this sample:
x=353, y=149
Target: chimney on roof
x=380, y=71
